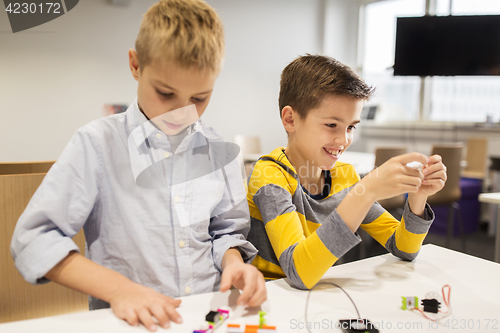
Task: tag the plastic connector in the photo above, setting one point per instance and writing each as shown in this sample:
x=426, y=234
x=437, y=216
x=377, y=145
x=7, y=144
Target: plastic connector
x=262, y=320
x=409, y=302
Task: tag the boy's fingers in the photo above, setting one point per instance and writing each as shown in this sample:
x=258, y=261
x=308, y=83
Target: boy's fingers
x=226, y=281
x=173, y=315
x=260, y=295
x=433, y=168
x=174, y=302
x=412, y=180
x=409, y=189
x=441, y=174
x=433, y=182
x=248, y=290
x=146, y=319
x=159, y=312
x=131, y=317
x=434, y=159
x=413, y=172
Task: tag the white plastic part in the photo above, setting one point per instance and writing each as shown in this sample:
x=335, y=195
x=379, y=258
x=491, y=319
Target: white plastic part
x=415, y=165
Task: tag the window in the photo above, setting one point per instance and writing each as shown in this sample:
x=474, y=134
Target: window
x=456, y=99
x=396, y=97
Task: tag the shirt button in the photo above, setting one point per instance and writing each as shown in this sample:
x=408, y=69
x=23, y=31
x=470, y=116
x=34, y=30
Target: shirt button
x=158, y=135
x=181, y=244
x=187, y=290
x=166, y=154
x=177, y=199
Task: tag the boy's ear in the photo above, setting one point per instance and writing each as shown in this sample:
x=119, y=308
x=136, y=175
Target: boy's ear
x=288, y=117
x=133, y=62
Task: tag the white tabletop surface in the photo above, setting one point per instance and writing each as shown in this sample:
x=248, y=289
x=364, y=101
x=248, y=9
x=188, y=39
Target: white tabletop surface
x=493, y=198
x=362, y=162
x=375, y=284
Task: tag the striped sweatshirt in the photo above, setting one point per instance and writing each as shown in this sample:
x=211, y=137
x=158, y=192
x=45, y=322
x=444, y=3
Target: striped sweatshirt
x=300, y=237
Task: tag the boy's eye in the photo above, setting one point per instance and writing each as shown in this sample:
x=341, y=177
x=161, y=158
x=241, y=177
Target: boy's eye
x=164, y=94
x=331, y=125
x=352, y=127
x=199, y=100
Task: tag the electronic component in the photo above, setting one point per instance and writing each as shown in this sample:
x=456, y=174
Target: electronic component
x=431, y=305
x=204, y=329
x=357, y=326
x=213, y=320
x=261, y=328
x=224, y=313
x=213, y=317
x=262, y=320
x=409, y=302
x=236, y=328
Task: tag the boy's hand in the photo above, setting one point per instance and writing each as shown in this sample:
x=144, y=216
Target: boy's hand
x=434, y=177
x=394, y=177
x=244, y=277
x=138, y=304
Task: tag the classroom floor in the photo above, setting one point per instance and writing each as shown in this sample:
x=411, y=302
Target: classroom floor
x=478, y=244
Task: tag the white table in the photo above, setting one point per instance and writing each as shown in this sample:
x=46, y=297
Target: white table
x=375, y=284
x=494, y=198
x=362, y=162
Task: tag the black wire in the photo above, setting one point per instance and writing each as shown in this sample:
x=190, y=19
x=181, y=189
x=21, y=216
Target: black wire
x=332, y=284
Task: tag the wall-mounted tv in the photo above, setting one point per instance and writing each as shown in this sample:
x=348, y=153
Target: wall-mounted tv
x=448, y=45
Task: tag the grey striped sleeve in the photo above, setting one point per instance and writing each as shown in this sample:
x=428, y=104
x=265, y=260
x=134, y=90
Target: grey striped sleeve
x=273, y=201
x=288, y=266
x=336, y=235
x=414, y=224
x=258, y=237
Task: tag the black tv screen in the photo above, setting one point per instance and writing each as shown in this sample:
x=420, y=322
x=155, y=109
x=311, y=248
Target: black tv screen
x=448, y=45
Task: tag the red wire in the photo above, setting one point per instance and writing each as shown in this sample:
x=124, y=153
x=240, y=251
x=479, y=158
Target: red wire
x=446, y=300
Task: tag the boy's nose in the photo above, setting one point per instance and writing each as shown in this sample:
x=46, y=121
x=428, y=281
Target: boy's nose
x=179, y=105
x=183, y=113
x=342, y=139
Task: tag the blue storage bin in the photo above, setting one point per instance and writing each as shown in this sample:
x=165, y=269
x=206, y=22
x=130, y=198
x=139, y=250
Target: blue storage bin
x=469, y=205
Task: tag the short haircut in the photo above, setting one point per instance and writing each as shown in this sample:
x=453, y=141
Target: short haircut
x=308, y=79
x=188, y=32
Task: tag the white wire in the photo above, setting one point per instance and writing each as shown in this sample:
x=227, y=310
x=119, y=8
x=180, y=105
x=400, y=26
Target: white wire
x=326, y=283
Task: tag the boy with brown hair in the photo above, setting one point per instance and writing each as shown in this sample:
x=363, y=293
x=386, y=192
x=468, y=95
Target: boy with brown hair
x=158, y=193
x=305, y=206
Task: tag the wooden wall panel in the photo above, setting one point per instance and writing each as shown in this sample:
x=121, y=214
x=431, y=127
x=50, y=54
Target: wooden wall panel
x=12, y=168
x=20, y=300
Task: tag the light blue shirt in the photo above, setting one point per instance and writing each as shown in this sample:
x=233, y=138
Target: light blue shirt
x=160, y=218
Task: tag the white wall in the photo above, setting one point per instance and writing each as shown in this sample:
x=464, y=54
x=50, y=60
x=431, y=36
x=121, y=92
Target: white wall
x=341, y=30
x=56, y=77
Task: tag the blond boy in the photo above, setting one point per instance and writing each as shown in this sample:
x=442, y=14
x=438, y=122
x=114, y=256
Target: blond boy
x=157, y=225
x=305, y=206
